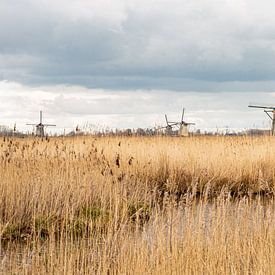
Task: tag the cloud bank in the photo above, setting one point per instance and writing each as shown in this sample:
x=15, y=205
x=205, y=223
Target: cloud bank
x=212, y=45
x=68, y=106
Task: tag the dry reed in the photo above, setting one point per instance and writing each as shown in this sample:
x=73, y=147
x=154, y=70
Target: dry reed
x=121, y=205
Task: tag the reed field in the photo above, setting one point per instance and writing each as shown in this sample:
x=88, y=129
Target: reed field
x=137, y=205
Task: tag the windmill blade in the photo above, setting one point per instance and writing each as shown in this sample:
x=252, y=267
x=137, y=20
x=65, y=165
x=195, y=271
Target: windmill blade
x=166, y=119
x=31, y=124
x=163, y=127
x=261, y=106
x=53, y=125
x=167, y=126
x=182, y=114
x=268, y=113
x=40, y=117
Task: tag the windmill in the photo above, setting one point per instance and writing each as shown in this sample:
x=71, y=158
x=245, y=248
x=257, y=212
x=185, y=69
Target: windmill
x=40, y=127
x=182, y=126
x=270, y=111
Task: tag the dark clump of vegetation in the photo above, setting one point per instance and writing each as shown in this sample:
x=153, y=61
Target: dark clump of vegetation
x=139, y=212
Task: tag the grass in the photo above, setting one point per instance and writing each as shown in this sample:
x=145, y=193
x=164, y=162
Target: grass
x=134, y=205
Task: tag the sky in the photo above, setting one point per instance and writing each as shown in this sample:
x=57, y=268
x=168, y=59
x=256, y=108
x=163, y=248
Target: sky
x=125, y=64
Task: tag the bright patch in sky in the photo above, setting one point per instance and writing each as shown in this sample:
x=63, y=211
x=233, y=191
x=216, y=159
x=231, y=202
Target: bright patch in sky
x=68, y=106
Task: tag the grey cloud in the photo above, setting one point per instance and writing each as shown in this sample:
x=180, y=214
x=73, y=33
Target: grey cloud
x=177, y=45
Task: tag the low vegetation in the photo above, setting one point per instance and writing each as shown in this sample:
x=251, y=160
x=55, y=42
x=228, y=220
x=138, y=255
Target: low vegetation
x=137, y=205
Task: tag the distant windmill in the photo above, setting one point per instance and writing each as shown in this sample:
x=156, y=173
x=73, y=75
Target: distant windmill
x=182, y=125
x=40, y=127
x=270, y=111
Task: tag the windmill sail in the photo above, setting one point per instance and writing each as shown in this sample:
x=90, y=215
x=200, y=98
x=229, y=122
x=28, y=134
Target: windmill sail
x=40, y=127
x=270, y=111
x=182, y=125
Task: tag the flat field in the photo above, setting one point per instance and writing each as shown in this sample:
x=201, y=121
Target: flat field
x=137, y=205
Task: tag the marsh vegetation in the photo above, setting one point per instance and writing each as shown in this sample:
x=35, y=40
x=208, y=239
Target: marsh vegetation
x=137, y=205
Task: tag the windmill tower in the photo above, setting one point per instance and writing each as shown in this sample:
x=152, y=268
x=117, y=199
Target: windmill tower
x=40, y=127
x=182, y=126
x=270, y=111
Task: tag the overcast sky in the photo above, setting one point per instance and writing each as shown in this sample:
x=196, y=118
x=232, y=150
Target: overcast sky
x=126, y=63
